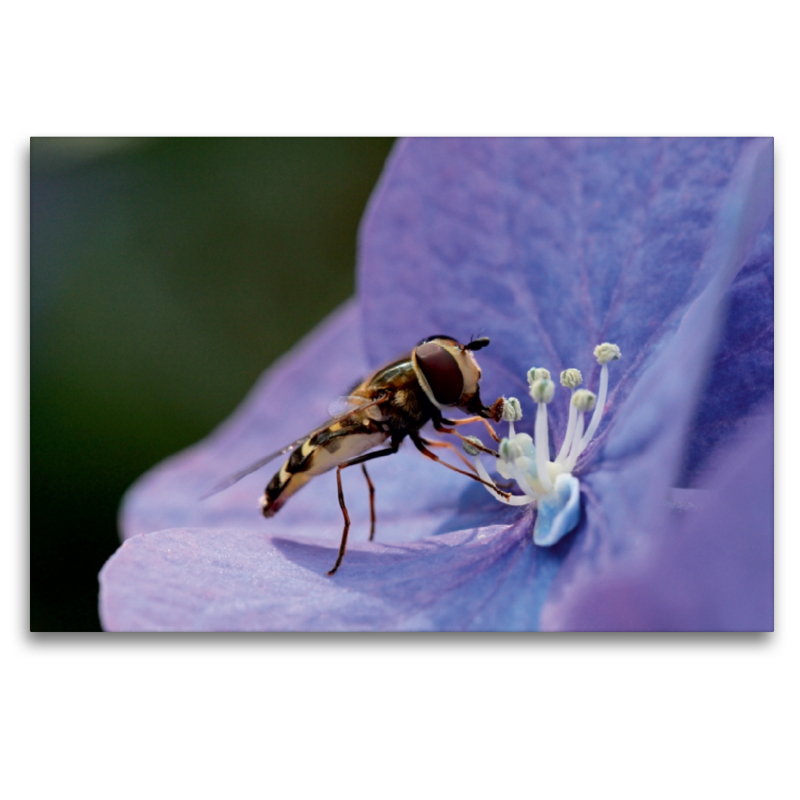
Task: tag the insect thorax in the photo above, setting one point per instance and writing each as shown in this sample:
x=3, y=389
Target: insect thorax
x=406, y=408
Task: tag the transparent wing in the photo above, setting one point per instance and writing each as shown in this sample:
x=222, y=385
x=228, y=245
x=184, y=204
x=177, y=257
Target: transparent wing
x=342, y=407
x=339, y=409
x=242, y=473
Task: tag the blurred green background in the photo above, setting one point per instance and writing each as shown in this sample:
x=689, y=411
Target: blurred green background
x=166, y=274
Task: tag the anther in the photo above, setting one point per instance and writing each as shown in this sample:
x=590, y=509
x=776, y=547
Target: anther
x=538, y=374
x=542, y=390
x=512, y=410
x=584, y=400
x=606, y=352
x=571, y=378
x=509, y=450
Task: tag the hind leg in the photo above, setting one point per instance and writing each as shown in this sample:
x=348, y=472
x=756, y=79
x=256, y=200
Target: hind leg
x=371, y=503
x=352, y=462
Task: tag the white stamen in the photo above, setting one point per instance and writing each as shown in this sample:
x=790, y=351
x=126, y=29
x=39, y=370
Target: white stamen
x=575, y=448
x=603, y=353
x=512, y=411
x=573, y=415
x=528, y=461
x=571, y=378
x=598, y=409
x=514, y=500
x=519, y=477
x=542, y=445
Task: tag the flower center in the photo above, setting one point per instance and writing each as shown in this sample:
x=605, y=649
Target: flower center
x=550, y=484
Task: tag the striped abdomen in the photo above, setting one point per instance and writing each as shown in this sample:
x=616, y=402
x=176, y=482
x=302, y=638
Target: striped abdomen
x=321, y=452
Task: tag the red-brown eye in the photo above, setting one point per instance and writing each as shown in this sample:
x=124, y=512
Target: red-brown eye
x=442, y=373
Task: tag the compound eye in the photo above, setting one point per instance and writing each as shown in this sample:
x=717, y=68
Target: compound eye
x=442, y=373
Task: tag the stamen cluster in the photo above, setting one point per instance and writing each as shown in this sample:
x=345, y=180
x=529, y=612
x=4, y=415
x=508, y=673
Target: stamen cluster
x=549, y=484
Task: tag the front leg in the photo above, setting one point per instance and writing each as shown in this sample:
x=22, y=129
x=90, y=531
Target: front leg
x=420, y=443
x=371, y=503
x=437, y=424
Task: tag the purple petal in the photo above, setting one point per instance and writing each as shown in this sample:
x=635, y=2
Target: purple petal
x=638, y=458
x=745, y=350
x=547, y=246
x=200, y=580
x=709, y=570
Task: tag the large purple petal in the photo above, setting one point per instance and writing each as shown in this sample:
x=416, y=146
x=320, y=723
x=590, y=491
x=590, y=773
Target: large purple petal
x=746, y=348
x=549, y=246
x=638, y=459
x=491, y=578
x=709, y=569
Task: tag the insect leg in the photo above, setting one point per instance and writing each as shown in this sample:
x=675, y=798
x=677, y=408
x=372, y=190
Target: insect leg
x=420, y=443
x=343, y=543
x=473, y=442
x=437, y=423
x=371, y=503
x=455, y=422
x=449, y=446
x=352, y=462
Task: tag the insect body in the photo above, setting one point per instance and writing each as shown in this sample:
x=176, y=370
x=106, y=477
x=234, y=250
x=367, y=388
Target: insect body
x=390, y=405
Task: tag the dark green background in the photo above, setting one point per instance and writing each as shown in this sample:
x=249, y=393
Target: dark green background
x=166, y=274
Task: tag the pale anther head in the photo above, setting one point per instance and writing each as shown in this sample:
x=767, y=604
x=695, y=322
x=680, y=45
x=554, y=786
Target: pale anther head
x=571, y=378
x=538, y=374
x=542, y=390
x=606, y=352
x=512, y=410
x=509, y=450
x=584, y=400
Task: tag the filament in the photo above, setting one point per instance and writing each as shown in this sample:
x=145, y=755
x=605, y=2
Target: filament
x=542, y=444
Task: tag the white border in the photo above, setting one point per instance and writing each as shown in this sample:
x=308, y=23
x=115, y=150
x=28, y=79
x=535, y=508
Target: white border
x=646, y=716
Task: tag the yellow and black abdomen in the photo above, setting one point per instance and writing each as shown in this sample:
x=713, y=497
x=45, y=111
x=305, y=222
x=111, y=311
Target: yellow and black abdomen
x=321, y=452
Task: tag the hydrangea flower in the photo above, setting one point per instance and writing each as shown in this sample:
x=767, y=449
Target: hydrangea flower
x=549, y=247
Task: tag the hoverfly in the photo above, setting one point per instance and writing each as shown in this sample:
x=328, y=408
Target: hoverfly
x=392, y=404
